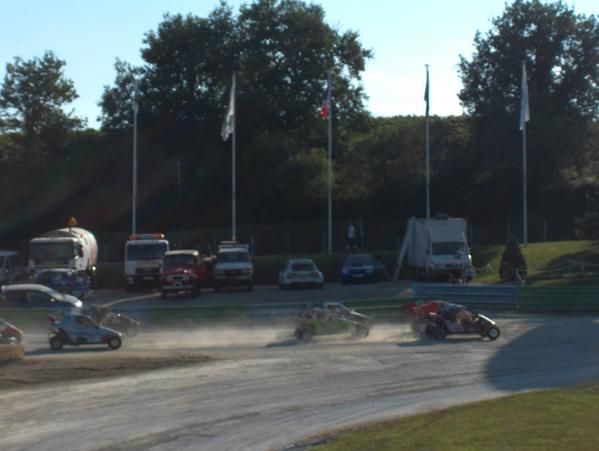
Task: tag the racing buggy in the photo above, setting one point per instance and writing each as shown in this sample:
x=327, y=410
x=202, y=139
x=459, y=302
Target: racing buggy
x=76, y=330
x=124, y=324
x=439, y=318
x=333, y=318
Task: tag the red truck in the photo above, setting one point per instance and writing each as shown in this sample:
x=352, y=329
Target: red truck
x=185, y=270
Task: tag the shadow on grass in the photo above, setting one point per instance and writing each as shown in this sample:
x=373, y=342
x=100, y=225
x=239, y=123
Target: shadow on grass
x=569, y=275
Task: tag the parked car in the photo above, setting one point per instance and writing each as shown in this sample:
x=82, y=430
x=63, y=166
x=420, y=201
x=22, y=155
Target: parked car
x=77, y=329
x=300, y=272
x=331, y=319
x=67, y=281
x=185, y=271
x=36, y=295
x=9, y=333
x=362, y=268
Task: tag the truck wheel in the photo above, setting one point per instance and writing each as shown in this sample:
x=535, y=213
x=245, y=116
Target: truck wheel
x=493, y=333
x=195, y=291
x=250, y=286
x=114, y=343
x=56, y=343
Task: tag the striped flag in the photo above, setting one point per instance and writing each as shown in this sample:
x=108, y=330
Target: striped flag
x=325, y=108
x=229, y=122
x=524, y=110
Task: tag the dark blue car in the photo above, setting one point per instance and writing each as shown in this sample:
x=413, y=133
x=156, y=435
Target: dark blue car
x=362, y=268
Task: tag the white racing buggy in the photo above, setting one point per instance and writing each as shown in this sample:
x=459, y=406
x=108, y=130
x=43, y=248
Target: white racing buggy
x=76, y=330
x=333, y=318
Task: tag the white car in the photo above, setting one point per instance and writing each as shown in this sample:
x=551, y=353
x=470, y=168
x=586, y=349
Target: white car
x=300, y=272
x=36, y=295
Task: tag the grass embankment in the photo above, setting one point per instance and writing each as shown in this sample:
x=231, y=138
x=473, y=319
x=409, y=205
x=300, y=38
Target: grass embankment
x=553, y=419
x=551, y=263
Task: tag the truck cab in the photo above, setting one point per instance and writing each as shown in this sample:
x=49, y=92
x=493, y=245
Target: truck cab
x=143, y=259
x=184, y=270
x=233, y=266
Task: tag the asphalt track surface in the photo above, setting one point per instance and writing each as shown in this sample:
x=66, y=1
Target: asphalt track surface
x=265, y=390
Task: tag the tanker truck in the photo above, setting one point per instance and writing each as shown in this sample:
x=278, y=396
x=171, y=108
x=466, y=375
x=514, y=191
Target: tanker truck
x=71, y=248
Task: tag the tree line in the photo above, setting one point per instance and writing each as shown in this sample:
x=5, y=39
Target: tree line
x=53, y=167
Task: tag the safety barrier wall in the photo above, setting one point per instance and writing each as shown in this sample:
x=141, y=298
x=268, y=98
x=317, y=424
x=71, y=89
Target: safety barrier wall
x=501, y=297
x=511, y=297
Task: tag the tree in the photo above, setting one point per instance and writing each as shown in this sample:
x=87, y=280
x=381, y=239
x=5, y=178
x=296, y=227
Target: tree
x=513, y=265
x=32, y=98
x=561, y=51
x=281, y=51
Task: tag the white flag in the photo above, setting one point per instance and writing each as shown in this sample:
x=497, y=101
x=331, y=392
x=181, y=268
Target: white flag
x=229, y=122
x=524, y=111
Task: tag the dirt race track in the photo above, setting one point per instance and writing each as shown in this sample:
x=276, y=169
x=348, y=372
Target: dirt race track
x=258, y=388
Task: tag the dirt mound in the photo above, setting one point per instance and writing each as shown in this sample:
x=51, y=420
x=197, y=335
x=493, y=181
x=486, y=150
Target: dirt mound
x=46, y=369
x=9, y=353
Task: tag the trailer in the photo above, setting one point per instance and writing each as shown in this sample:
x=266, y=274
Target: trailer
x=435, y=248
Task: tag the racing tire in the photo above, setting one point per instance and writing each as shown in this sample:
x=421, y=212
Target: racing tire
x=493, y=333
x=306, y=335
x=440, y=333
x=163, y=294
x=131, y=331
x=56, y=343
x=114, y=343
x=218, y=286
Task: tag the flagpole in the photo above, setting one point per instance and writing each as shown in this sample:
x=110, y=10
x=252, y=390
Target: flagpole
x=524, y=117
x=233, y=174
x=524, y=193
x=427, y=150
x=330, y=172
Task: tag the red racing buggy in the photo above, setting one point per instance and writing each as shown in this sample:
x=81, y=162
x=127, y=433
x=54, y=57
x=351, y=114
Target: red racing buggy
x=440, y=318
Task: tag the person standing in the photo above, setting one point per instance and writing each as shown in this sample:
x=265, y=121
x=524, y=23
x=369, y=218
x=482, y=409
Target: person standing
x=351, y=237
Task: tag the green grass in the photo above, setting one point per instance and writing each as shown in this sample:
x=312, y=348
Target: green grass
x=541, y=259
x=548, y=420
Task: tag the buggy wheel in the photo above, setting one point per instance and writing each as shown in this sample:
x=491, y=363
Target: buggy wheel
x=114, y=343
x=493, y=333
x=306, y=335
x=440, y=333
x=56, y=343
x=361, y=332
x=163, y=294
x=131, y=331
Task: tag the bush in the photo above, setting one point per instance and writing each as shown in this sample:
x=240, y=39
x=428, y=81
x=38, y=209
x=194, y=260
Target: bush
x=512, y=260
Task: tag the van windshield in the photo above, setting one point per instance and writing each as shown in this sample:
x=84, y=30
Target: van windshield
x=448, y=248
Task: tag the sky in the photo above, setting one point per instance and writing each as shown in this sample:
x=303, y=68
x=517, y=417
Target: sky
x=404, y=36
